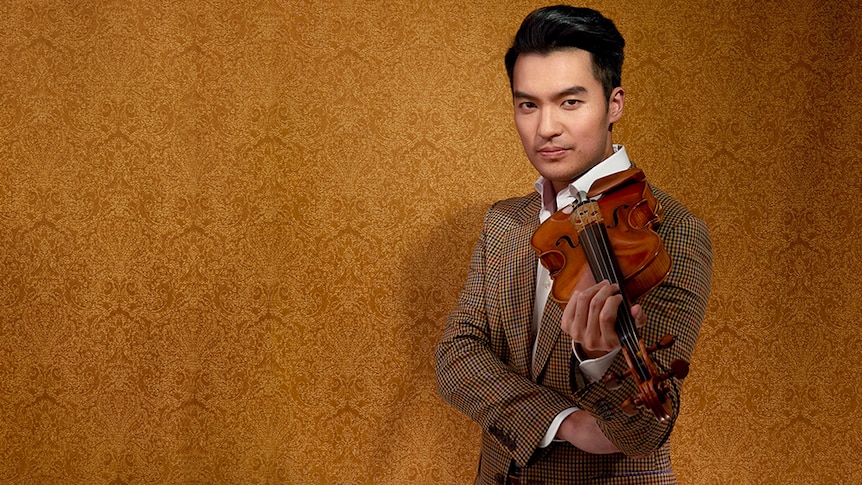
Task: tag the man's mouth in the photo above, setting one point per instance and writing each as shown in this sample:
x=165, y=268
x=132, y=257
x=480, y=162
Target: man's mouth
x=552, y=151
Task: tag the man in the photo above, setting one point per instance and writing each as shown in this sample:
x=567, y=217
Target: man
x=528, y=372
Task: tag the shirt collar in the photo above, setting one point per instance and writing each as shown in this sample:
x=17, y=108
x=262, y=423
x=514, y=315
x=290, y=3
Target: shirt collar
x=617, y=162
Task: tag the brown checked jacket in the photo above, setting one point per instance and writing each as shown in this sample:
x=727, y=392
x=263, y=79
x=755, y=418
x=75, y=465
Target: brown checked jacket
x=486, y=370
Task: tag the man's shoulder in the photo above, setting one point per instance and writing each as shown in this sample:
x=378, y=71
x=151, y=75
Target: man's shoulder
x=673, y=210
x=513, y=215
x=678, y=224
x=516, y=207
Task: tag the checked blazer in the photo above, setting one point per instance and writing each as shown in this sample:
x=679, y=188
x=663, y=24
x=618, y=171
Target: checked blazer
x=485, y=366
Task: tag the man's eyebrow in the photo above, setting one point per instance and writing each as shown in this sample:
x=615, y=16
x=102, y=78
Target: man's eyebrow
x=574, y=90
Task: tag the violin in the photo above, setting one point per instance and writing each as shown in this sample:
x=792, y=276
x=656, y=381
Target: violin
x=610, y=231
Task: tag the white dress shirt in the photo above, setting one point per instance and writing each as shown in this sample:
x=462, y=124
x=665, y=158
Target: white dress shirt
x=593, y=369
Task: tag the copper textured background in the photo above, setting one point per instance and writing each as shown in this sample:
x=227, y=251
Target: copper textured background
x=230, y=232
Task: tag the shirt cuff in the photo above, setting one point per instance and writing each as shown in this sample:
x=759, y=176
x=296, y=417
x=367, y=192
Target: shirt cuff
x=594, y=369
x=555, y=426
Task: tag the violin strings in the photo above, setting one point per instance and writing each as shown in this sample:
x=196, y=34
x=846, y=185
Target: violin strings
x=602, y=259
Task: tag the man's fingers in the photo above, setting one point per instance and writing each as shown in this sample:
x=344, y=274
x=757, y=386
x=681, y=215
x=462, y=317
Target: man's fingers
x=599, y=307
x=639, y=315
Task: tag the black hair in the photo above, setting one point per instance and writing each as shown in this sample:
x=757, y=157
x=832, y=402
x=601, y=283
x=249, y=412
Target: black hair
x=559, y=27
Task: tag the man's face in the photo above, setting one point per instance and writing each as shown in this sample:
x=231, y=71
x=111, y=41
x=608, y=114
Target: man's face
x=561, y=113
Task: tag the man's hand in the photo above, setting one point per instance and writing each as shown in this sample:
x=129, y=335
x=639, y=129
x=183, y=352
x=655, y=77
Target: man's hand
x=590, y=316
x=582, y=430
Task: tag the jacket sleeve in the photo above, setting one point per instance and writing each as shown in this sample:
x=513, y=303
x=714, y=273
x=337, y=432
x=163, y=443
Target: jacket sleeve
x=473, y=368
x=675, y=307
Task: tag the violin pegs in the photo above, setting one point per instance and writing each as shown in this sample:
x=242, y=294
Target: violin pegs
x=664, y=343
x=679, y=369
x=630, y=406
x=662, y=387
x=612, y=381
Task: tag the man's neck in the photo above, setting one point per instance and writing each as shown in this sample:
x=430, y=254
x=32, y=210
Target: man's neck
x=554, y=196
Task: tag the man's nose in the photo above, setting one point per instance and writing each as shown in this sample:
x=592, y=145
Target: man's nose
x=549, y=124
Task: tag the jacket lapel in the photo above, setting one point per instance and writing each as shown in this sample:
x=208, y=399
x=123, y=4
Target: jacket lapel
x=519, y=300
x=549, y=334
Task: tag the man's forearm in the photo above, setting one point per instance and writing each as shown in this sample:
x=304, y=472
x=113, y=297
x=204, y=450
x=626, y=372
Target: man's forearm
x=581, y=430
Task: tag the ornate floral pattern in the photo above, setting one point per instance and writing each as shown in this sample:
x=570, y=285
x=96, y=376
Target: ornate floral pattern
x=230, y=232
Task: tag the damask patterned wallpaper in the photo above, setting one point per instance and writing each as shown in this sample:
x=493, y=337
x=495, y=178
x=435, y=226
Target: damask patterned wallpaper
x=230, y=231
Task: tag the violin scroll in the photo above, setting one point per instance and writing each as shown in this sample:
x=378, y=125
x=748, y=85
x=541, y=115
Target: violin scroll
x=652, y=395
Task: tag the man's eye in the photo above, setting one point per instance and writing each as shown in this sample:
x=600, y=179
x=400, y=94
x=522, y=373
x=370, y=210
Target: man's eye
x=571, y=102
x=527, y=105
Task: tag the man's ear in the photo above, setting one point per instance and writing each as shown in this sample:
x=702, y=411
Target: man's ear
x=615, y=104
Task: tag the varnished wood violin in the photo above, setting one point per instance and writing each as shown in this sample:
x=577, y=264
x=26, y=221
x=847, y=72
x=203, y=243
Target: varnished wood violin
x=610, y=231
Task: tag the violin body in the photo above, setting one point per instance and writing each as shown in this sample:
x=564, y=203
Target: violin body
x=614, y=237
x=631, y=213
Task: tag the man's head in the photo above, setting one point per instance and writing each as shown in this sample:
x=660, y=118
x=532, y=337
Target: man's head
x=560, y=27
x=564, y=69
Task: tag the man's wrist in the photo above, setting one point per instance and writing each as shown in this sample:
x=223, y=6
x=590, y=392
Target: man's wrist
x=594, y=368
x=583, y=354
x=554, y=429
